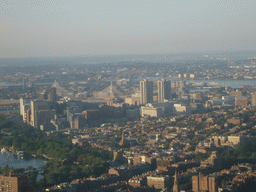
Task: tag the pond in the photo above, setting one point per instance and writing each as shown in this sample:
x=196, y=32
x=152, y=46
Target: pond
x=12, y=160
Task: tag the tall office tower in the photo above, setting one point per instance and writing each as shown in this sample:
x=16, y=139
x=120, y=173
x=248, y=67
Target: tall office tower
x=43, y=117
x=164, y=90
x=253, y=98
x=37, y=105
x=42, y=96
x=51, y=94
x=146, y=91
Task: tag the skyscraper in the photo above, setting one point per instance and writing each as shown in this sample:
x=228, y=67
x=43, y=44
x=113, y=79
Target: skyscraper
x=49, y=94
x=164, y=90
x=37, y=105
x=24, y=106
x=146, y=91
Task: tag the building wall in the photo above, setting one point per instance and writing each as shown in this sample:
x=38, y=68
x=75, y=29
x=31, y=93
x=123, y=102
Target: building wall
x=9, y=183
x=128, y=100
x=236, y=140
x=151, y=111
x=241, y=101
x=253, y=99
x=24, y=106
x=136, y=160
x=24, y=109
x=14, y=184
x=92, y=114
x=138, y=182
x=234, y=120
x=178, y=108
x=212, y=184
x=204, y=183
x=43, y=116
x=113, y=171
x=236, y=93
x=132, y=100
x=143, y=159
x=37, y=106
x=51, y=94
x=146, y=91
x=164, y=90
x=79, y=123
x=158, y=182
x=195, y=183
x=28, y=116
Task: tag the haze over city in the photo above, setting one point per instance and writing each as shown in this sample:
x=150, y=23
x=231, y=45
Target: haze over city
x=120, y=96
x=42, y=28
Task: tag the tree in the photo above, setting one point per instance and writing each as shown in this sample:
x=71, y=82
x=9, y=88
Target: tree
x=192, y=148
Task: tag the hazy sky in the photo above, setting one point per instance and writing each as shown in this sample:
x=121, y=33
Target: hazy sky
x=96, y=27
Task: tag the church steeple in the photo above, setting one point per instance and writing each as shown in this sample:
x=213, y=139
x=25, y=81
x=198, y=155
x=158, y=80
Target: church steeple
x=176, y=183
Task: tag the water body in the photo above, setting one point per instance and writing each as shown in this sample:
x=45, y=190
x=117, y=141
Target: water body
x=3, y=84
x=227, y=83
x=224, y=83
x=14, y=161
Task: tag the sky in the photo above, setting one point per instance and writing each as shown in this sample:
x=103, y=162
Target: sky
x=39, y=28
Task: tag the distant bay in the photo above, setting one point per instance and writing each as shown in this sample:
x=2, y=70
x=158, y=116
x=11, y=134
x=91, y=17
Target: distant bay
x=227, y=83
x=3, y=84
x=234, y=83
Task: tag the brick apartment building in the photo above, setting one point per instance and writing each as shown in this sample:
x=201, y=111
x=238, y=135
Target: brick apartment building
x=14, y=184
x=158, y=182
x=204, y=183
x=241, y=101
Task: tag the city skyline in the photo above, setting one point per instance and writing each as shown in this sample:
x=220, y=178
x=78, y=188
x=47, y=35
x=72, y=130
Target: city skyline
x=128, y=126
x=63, y=28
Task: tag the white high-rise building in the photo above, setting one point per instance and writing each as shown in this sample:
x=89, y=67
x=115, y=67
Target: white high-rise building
x=164, y=90
x=24, y=106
